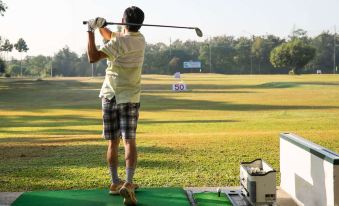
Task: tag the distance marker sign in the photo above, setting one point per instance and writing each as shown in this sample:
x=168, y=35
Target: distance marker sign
x=179, y=87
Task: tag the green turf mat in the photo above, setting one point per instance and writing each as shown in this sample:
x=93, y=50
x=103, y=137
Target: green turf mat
x=145, y=196
x=211, y=199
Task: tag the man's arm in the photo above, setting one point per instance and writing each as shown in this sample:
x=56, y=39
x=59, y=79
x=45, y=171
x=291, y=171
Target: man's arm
x=105, y=33
x=92, y=52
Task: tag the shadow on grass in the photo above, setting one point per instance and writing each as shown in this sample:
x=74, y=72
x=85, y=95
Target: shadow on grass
x=159, y=103
x=319, y=83
x=184, y=121
x=42, y=167
x=69, y=120
x=278, y=85
x=267, y=85
x=49, y=94
x=49, y=125
x=49, y=140
x=272, y=85
x=53, y=132
x=89, y=156
x=195, y=91
x=72, y=94
x=47, y=121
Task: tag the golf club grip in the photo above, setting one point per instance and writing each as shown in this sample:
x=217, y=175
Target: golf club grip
x=86, y=22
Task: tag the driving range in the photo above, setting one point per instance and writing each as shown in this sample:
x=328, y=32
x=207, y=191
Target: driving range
x=50, y=134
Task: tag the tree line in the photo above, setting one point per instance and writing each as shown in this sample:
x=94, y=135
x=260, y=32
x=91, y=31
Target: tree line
x=267, y=54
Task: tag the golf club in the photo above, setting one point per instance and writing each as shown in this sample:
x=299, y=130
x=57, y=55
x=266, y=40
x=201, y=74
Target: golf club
x=197, y=30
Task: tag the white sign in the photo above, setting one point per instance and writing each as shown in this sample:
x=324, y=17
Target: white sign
x=179, y=87
x=318, y=71
x=177, y=75
x=192, y=65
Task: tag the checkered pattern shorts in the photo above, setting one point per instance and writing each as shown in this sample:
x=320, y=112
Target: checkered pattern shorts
x=119, y=120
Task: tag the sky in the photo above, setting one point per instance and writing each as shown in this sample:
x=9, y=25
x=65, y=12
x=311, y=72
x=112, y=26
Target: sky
x=49, y=25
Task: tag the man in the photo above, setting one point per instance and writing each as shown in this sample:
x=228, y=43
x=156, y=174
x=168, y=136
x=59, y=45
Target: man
x=120, y=94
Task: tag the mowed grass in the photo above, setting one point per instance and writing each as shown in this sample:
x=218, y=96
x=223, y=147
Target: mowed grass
x=50, y=130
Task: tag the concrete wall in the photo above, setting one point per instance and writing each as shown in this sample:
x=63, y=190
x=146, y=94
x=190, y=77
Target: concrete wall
x=309, y=172
x=336, y=185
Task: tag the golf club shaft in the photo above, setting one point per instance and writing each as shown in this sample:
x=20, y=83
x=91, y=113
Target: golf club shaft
x=155, y=25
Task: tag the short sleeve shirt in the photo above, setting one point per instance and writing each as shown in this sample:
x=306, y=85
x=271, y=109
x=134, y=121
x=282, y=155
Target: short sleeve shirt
x=125, y=59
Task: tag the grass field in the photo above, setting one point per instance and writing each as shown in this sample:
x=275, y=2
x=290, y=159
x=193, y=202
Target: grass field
x=50, y=130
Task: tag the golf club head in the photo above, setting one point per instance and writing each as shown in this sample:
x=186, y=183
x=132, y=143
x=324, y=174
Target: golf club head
x=198, y=31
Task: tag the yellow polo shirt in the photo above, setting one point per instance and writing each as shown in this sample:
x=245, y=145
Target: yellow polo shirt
x=123, y=75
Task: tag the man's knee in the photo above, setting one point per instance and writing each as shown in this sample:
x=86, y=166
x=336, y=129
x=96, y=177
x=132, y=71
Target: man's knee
x=130, y=147
x=113, y=144
x=129, y=143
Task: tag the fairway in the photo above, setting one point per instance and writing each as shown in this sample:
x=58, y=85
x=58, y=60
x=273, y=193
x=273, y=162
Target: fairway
x=50, y=130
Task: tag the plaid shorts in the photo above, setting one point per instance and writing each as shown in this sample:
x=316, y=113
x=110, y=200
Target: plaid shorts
x=119, y=120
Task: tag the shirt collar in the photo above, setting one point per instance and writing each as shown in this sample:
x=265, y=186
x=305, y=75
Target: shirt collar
x=130, y=33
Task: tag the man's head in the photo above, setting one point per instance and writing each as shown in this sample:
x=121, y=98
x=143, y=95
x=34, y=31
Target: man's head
x=133, y=15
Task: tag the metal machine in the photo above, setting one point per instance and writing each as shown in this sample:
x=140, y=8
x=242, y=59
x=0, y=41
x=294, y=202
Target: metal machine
x=258, y=182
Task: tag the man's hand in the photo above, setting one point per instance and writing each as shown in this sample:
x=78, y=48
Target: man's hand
x=96, y=23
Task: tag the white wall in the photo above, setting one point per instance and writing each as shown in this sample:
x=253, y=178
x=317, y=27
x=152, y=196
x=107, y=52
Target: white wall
x=336, y=185
x=309, y=179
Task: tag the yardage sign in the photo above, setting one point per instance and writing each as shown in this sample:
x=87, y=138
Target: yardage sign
x=192, y=65
x=177, y=75
x=179, y=87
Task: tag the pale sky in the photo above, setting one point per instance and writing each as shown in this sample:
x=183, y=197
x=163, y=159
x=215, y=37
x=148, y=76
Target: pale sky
x=49, y=25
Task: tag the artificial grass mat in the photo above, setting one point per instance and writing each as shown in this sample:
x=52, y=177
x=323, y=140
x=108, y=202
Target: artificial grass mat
x=211, y=199
x=145, y=196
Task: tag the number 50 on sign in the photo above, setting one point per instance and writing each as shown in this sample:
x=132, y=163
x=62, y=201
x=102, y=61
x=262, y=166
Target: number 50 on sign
x=179, y=87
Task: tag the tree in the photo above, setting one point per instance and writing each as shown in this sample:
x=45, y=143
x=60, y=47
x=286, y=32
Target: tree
x=6, y=47
x=243, y=57
x=324, y=57
x=174, y=63
x=21, y=46
x=221, y=51
x=38, y=65
x=294, y=54
x=13, y=67
x=300, y=34
x=65, y=62
x=157, y=57
x=261, y=49
x=3, y=8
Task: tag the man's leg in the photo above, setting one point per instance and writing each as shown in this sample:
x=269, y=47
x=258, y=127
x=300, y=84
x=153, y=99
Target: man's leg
x=112, y=159
x=130, y=158
x=129, y=114
x=127, y=191
x=111, y=132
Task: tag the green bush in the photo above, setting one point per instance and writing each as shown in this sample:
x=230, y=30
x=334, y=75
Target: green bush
x=14, y=69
